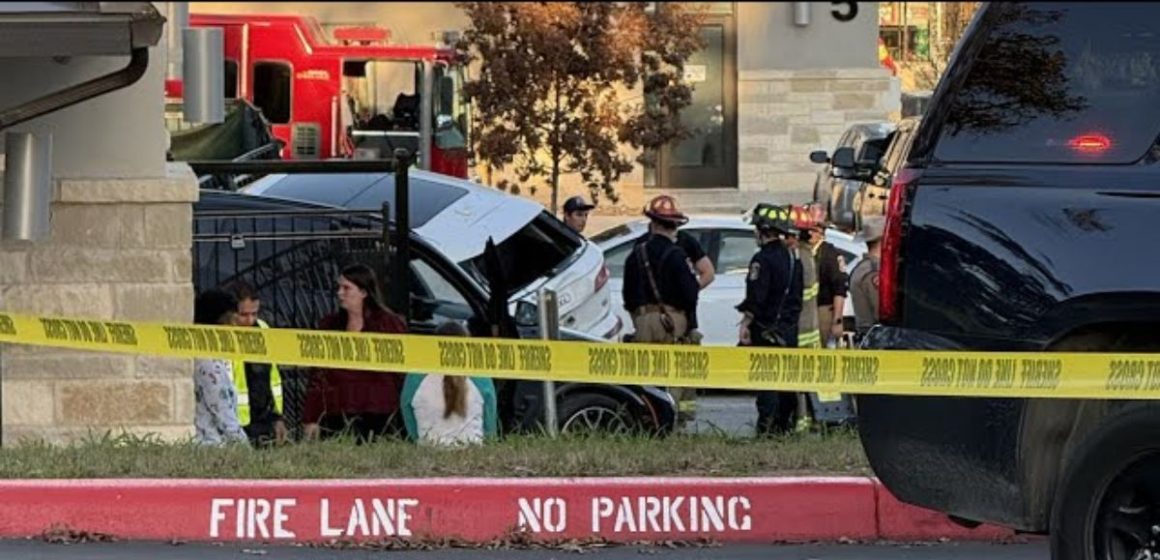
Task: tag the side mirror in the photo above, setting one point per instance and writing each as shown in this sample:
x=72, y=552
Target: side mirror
x=423, y=309
x=843, y=158
x=527, y=314
x=819, y=156
x=882, y=179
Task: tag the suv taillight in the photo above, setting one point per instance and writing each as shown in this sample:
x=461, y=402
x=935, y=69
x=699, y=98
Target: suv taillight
x=602, y=277
x=889, y=274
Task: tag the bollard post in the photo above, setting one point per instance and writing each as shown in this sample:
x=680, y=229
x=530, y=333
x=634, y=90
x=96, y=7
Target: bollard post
x=402, y=269
x=549, y=311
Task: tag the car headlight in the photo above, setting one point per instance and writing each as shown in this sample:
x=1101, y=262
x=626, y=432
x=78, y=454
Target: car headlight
x=527, y=314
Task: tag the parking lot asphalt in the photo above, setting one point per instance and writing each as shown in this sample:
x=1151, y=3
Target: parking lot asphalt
x=730, y=414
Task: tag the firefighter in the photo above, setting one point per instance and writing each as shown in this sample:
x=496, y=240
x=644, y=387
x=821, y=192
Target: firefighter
x=803, y=218
x=832, y=285
x=660, y=288
x=772, y=307
x=259, y=386
x=686, y=397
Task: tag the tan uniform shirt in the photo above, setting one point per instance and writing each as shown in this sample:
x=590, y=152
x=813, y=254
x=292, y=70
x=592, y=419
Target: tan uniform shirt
x=864, y=292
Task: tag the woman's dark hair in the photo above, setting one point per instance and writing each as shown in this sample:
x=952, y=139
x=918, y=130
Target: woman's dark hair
x=242, y=290
x=362, y=276
x=454, y=388
x=212, y=306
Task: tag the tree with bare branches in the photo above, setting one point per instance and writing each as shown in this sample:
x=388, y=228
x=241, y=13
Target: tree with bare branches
x=951, y=26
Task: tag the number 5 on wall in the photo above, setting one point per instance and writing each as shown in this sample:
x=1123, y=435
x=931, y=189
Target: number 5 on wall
x=850, y=13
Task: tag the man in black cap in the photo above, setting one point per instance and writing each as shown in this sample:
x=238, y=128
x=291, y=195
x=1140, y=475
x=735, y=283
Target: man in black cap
x=576, y=213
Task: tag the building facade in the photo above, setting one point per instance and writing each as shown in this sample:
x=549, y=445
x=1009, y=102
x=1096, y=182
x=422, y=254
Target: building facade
x=920, y=36
x=118, y=248
x=768, y=91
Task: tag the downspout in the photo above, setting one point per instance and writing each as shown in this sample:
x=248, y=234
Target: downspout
x=427, y=115
x=125, y=77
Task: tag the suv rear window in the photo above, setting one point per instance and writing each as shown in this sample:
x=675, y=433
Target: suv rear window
x=362, y=191
x=541, y=248
x=1058, y=83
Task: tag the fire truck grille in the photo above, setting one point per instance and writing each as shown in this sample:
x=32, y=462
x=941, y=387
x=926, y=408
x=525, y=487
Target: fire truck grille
x=304, y=140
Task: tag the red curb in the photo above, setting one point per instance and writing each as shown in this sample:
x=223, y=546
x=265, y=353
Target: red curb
x=476, y=510
x=903, y=522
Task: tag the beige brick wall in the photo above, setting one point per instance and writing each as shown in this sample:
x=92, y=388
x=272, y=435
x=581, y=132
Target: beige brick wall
x=119, y=249
x=784, y=115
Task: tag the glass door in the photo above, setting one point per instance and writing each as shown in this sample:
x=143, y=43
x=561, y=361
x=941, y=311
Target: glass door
x=707, y=159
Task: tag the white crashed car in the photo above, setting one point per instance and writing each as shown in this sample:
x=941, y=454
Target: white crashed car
x=456, y=217
x=730, y=244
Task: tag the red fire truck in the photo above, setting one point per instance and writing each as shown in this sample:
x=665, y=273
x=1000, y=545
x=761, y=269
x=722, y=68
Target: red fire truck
x=353, y=96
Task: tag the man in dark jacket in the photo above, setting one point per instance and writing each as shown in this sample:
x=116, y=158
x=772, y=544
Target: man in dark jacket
x=772, y=307
x=702, y=267
x=833, y=283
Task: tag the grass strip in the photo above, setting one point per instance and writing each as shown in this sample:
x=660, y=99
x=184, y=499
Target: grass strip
x=130, y=456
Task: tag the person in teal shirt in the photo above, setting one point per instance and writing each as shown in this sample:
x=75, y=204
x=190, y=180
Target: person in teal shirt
x=449, y=410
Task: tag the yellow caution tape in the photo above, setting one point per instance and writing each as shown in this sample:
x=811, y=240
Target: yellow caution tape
x=897, y=372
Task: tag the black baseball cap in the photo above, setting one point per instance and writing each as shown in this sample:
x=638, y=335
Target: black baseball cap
x=577, y=204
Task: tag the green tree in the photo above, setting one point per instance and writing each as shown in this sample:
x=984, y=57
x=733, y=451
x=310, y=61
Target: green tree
x=546, y=97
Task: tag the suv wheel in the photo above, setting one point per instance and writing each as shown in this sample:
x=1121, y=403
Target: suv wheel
x=1108, y=505
x=587, y=413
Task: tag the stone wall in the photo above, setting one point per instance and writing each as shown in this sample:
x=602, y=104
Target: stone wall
x=119, y=249
x=786, y=114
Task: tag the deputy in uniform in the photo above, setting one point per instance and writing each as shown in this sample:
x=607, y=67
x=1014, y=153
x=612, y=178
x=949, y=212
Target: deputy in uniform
x=772, y=307
x=864, y=277
x=660, y=288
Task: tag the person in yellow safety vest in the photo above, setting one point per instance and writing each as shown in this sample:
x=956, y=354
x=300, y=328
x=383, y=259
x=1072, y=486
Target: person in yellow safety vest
x=809, y=335
x=259, y=386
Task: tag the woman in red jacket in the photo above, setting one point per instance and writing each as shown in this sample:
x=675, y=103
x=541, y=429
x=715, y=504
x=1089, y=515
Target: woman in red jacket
x=365, y=403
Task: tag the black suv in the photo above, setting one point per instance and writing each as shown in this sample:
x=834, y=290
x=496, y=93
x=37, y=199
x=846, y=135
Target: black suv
x=1025, y=220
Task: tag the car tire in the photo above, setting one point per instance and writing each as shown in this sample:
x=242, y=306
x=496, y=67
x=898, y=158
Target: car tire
x=1107, y=505
x=585, y=413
